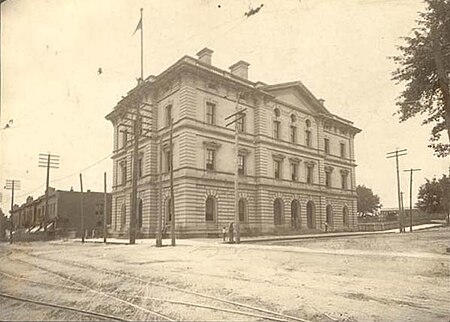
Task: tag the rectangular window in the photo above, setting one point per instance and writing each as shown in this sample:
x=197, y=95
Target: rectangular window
x=294, y=171
x=293, y=134
x=277, y=169
x=140, y=167
x=123, y=167
x=276, y=129
x=124, y=137
x=241, y=165
x=344, y=181
x=328, y=179
x=210, y=159
x=210, y=113
x=168, y=115
x=342, y=150
x=309, y=174
x=167, y=154
x=326, y=146
x=308, y=138
x=241, y=123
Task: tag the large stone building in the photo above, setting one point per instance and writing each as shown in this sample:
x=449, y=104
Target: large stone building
x=296, y=159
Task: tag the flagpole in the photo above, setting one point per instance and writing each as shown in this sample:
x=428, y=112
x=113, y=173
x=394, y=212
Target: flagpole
x=142, y=46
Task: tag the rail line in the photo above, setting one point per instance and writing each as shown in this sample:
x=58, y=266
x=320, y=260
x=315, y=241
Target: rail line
x=88, y=288
x=279, y=316
x=63, y=307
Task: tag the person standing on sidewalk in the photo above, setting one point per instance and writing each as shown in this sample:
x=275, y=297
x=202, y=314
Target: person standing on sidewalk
x=231, y=232
x=224, y=233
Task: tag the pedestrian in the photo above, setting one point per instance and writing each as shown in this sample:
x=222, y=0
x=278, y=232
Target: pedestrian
x=224, y=233
x=326, y=227
x=231, y=232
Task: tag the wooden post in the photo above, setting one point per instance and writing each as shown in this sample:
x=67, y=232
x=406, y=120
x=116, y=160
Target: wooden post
x=82, y=209
x=172, y=195
x=105, y=208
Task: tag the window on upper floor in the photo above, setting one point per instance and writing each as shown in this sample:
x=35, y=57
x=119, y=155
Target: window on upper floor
x=240, y=123
x=276, y=129
x=294, y=171
x=343, y=152
x=293, y=134
x=140, y=167
x=210, y=113
x=277, y=168
x=210, y=159
x=308, y=140
x=328, y=179
x=167, y=160
x=344, y=179
x=124, y=137
x=168, y=115
x=241, y=164
x=309, y=173
x=123, y=171
x=326, y=145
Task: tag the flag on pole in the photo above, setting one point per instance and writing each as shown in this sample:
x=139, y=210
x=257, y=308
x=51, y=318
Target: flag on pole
x=139, y=26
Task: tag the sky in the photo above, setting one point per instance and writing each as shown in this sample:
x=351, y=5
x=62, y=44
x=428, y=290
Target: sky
x=52, y=50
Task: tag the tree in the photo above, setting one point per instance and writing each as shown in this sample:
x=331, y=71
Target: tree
x=368, y=202
x=424, y=68
x=434, y=195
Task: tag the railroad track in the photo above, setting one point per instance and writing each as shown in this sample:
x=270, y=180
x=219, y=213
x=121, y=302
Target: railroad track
x=267, y=314
x=62, y=307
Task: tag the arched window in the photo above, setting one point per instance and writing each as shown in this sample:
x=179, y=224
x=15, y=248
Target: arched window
x=123, y=216
x=243, y=210
x=140, y=213
x=295, y=214
x=210, y=208
x=308, y=123
x=168, y=210
x=276, y=111
x=345, y=216
x=293, y=118
x=329, y=219
x=278, y=211
x=310, y=215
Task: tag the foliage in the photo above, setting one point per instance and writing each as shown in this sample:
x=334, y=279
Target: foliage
x=368, y=202
x=424, y=68
x=434, y=195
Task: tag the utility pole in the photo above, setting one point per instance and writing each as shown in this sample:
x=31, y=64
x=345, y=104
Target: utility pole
x=105, y=208
x=47, y=160
x=402, y=209
x=12, y=185
x=82, y=208
x=160, y=212
x=172, y=195
x=238, y=115
x=410, y=196
x=395, y=154
x=133, y=214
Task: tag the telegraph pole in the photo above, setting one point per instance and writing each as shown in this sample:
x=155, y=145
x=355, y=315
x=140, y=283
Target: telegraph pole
x=12, y=185
x=238, y=115
x=105, y=208
x=82, y=208
x=395, y=154
x=136, y=134
x=410, y=195
x=48, y=161
x=160, y=212
x=172, y=195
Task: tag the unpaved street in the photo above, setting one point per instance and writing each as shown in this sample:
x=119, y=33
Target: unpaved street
x=388, y=277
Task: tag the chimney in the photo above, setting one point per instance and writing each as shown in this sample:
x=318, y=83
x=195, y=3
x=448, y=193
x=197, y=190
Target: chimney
x=205, y=55
x=240, y=69
x=321, y=101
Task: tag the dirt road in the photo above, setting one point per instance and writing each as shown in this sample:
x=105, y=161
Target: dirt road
x=364, y=278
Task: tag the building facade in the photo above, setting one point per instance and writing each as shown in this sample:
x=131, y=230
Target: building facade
x=64, y=211
x=296, y=159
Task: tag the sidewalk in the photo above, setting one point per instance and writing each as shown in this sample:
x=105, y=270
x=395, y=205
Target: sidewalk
x=245, y=240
